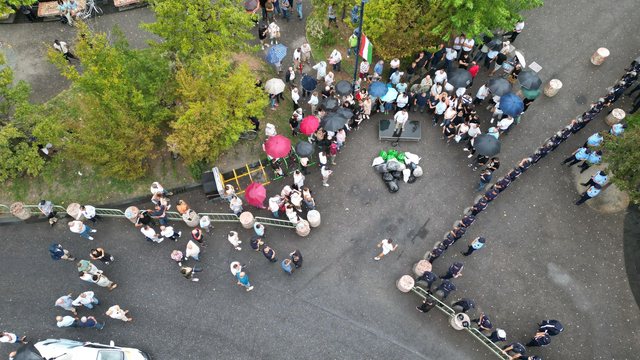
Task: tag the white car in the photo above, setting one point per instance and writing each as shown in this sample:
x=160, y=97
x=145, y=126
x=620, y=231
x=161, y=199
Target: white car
x=63, y=349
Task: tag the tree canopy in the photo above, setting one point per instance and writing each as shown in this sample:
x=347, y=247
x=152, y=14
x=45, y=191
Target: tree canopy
x=7, y=6
x=623, y=157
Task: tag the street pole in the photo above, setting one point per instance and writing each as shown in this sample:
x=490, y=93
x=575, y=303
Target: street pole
x=355, y=70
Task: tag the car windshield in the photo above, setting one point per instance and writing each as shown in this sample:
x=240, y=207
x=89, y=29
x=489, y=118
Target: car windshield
x=110, y=355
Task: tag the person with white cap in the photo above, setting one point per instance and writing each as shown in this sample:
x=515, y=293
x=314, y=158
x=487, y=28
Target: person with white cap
x=498, y=335
x=83, y=230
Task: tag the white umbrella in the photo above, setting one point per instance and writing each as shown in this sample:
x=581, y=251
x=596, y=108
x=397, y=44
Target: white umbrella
x=274, y=86
x=520, y=58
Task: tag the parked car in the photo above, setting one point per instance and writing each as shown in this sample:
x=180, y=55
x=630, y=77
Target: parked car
x=64, y=349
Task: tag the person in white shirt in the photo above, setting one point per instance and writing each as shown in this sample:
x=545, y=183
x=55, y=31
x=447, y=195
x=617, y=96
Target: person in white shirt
x=11, y=338
x=516, y=31
x=192, y=250
x=150, y=234
x=335, y=59
x=322, y=158
x=295, y=96
x=321, y=70
x=79, y=228
x=89, y=213
x=297, y=57
x=504, y=124
x=63, y=48
x=364, y=70
x=313, y=102
x=467, y=45
x=387, y=247
x=458, y=41
x=274, y=205
x=274, y=32
x=234, y=240
x=86, y=299
x=482, y=94
x=305, y=50
x=205, y=223
x=328, y=79
x=168, y=232
x=325, y=172
x=298, y=180
x=400, y=119
x=440, y=76
x=449, y=57
x=401, y=101
x=115, y=312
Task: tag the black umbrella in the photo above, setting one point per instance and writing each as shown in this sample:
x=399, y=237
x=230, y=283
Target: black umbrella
x=499, y=86
x=345, y=112
x=495, y=44
x=304, y=149
x=529, y=80
x=308, y=83
x=459, y=78
x=343, y=87
x=333, y=122
x=28, y=352
x=330, y=103
x=486, y=145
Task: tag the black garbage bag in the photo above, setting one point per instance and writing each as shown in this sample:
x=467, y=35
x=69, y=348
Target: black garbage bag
x=412, y=179
x=387, y=177
x=396, y=175
x=393, y=186
x=382, y=168
x=412, y=166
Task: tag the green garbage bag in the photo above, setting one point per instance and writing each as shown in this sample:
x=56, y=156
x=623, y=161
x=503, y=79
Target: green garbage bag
x=383, y=154
x=392, y=154
x=400, y=157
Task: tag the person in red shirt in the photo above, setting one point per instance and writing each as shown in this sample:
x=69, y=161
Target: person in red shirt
x=473, y=69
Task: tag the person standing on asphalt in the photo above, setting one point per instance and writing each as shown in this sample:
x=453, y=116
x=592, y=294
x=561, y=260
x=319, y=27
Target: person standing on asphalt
x=516, y=348
x=90, y=322
x=79, y=228
x=46, y=207
x=325, y=172
x=485, y=178
x=89, y=213
x=88, y=267
x=11, y=338
x=236, y=205
x=287, y=266
x=455, y=271
x=551, y=327
x=594, y=158
x=189, y=272
x=63, y=48
x=581, y=154
x=445, y=288
x=66, y=302
x=269, y=253
x=86, y=299
x=599, y=178
x=167, y=232
x=192, y=250
x=243, y=280
x=476, y=244
x=233, y=238
x=591, y=192
x=103, y=281
x=263, y=31
x=429, y=278
x=435, y=254
x=115, y=312
x=484, y=323
x=296, y=258
x=150, y=234
x=274, y=206
x=463, y=305
x=66, y=321
x=57, y=252
x=256, y=242
x=498, y=335
x=594, y=141
x=427, y=304
x=160, y=213
x=198, y=236
x=539, y=339
x=387, y=247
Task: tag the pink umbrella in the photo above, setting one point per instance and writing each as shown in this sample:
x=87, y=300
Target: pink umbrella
x=255, y=194
x=277, y=146
x=309, y=125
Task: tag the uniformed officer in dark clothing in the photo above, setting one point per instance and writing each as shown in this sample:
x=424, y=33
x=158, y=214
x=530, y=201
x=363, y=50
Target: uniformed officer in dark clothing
x=540, y=339
x=513, y=174
x=455, y=271
x=484, y=323
x=498, y=335
x=435, y=253
x=502, y=184
x=515, y=347
x=551, y=327
x=479, y=206
x=445, y=288
x=429, y=278
x=491, y=194
x=466, y=221
x=463, y=305
x=427, y=305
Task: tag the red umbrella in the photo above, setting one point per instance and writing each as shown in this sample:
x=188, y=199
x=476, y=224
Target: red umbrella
x=309, y=125
x=277, y=146
x=255, y=194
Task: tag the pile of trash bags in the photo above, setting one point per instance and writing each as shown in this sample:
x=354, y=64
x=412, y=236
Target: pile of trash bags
x=395, y=166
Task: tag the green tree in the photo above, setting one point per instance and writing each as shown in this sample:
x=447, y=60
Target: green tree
x=190, y=29
x=114, y=110
x=8, y=6
x=217, y=97
x=623, y=157
x=18, y=153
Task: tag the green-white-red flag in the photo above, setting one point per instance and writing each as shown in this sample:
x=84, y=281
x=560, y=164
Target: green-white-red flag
x=366, y=49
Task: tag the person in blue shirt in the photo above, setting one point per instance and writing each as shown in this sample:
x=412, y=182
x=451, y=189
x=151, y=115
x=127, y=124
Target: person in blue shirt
x=594, y=140
x=599, y=178
x=395, y=77
x=591, y=192
x=594, y=158
x=581, y=154
x=485, y=178
x=476, y=244
x=617, y=129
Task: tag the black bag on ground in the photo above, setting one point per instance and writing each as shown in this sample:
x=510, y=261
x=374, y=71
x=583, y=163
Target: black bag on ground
x=397, y=175
x=387, y=177
x=392, y=186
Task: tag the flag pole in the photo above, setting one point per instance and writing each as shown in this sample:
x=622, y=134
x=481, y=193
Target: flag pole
x=355, y=70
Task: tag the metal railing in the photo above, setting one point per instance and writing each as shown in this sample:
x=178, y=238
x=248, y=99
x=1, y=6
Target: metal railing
x=477, y=334
x=171, y=215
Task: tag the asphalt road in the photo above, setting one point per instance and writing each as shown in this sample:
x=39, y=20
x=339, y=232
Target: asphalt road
x=545, y=258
